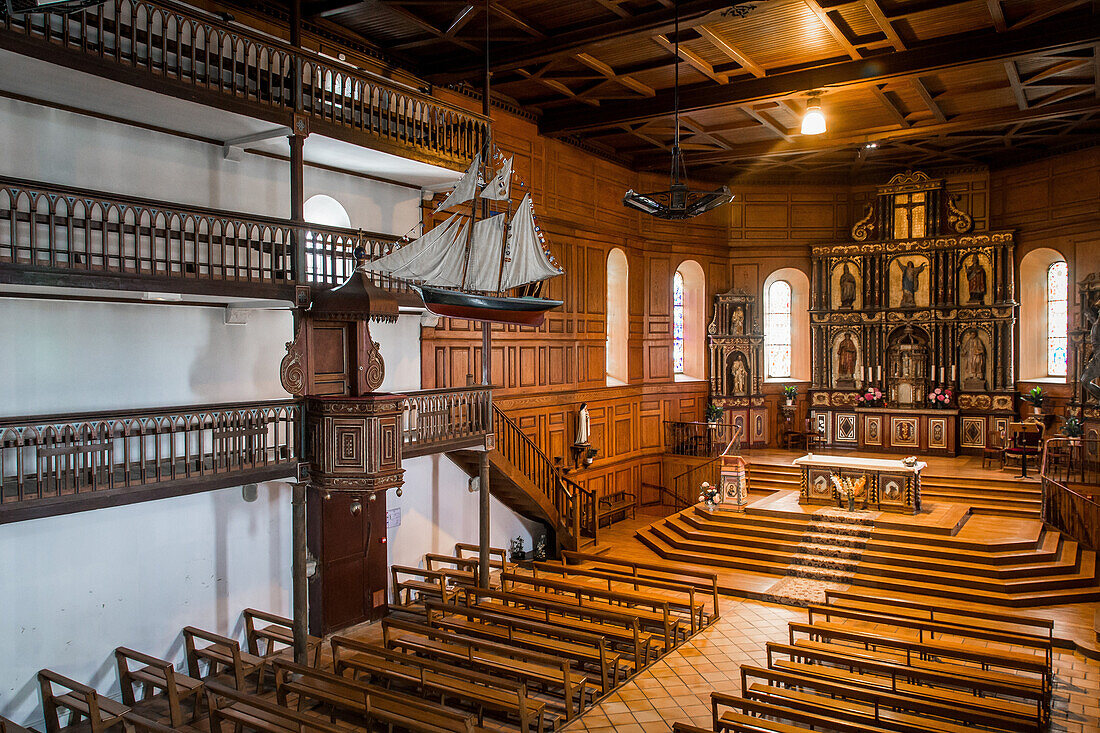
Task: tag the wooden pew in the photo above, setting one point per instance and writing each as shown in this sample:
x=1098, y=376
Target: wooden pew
x=685, y=728
x=221, y=652
x=429, y=676
x=279, y=630
x=985, y=697
x=745, y=715
x=619, y=628
x=578, y=646
x=157, y=674
x=707, y=582
x=498, y=557
x=522, y=665
x=375, y=704
x=883, y=709
x=81, y=701
x=694, y=609
x=616, y=503
x=255, y=713
x=426, y=582
x=652, y=612
x=10, y=726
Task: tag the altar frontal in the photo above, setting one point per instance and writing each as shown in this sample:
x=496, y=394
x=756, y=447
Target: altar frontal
x=861, y=483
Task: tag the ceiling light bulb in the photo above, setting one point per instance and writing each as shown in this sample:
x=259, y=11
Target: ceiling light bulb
x=813, y=122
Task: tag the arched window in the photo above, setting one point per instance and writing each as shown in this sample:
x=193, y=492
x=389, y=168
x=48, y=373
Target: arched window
x=787, y=325
x=1057, y=318
x=618, y=317
x=678, y=323
x=777, y=330
x=326, y=211
x=689, y=290
x=1043, y=294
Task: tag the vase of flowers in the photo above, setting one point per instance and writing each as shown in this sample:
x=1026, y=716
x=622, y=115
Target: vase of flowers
x=940, y=397
x=709, y=495
x=789, y=393
x=1035, y=396
x=871, y=397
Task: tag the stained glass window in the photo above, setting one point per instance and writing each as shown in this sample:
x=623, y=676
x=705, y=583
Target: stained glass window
x=678, y=323
x=777, y=329
x=1057, y=319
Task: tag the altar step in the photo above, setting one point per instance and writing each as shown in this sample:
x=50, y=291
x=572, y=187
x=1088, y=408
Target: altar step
x=1046, y=569
x=985, y=496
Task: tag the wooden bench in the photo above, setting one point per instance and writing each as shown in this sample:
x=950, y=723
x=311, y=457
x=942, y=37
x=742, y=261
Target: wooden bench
x=501, y=555
x=580, y=647
x=525, y=666
x=10, y=726
x=279, y=630
x=244, y=710
x=375, y=704
x=425, y=582
x=618, y=502
x=654, y=613
x=81, y=701
x=695, y=609
x=702, y=580
x=747, y=713
x=428, y=676
x=157, y=674
x=685, y=728
x=221, y=652
x=622, y=629
x=915, y=682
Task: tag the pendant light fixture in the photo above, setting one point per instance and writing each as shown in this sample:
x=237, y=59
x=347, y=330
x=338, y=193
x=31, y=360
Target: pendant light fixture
x=679, y=201
x=813, y=122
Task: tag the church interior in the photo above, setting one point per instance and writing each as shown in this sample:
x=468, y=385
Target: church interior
x=549, y=365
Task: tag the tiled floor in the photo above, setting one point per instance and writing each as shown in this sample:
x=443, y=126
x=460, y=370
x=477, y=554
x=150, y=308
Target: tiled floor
x=678, y=687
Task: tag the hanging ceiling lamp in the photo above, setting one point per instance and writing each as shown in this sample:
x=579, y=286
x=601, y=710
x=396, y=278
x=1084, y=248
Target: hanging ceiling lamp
x=813, y=122
x=679, y=201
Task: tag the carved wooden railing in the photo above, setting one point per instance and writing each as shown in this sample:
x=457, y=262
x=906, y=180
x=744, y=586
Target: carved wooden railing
x=438, y=420
x=57, y=464
x=575, y=505
x=60, y=231
x=700, y=439
x=193, y=54
x=1071, y=485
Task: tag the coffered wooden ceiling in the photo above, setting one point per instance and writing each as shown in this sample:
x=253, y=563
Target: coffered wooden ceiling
x=903, y=82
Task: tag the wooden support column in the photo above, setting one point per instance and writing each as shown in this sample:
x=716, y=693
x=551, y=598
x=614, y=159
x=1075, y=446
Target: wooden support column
x=486, y=346
x=299, y=600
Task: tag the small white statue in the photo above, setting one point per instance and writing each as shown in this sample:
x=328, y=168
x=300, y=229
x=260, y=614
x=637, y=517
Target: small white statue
x=584, y=425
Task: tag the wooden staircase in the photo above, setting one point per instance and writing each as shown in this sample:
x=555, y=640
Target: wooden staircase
x=525, y=480
x=1039, y=566
x=984, y=496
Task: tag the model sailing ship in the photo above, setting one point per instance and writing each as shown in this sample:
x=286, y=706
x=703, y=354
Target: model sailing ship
x=463, y=268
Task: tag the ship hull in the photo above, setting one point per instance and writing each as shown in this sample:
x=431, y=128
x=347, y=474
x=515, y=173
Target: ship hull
x=475, y=307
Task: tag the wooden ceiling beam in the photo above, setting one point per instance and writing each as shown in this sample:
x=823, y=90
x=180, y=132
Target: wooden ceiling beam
x=875, y=11
x=1058, y=68
x=959, y=123
x=614, y=8
x=1062, y=95
x=557, y=86
x=1014, y=81
x=997, y=14
x=731, y=51
x=1055, y=9
x=926, y=97
x=833, y=29
x=766, y=120
x=895, y=111
x=692, y=58
x=627, y=81
x=959, y=51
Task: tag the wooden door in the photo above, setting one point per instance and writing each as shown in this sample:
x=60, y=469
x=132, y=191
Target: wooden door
x=350, y=584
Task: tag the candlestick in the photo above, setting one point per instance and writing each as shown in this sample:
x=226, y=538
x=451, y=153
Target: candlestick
x=878, y=373
x=941, y=374
x=952, y=372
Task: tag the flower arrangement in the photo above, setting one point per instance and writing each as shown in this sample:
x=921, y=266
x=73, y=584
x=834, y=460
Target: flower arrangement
x=516, y=553
x=713, y=412
x=940, y=396
x=709, y=494
x=1072, y=427
x=872, y=397
x=1035, y=396
x=790, y=392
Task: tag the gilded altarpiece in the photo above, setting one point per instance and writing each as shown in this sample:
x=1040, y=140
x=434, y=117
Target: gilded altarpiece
x=736, y=359
x=1085, y=362
x=915, y=302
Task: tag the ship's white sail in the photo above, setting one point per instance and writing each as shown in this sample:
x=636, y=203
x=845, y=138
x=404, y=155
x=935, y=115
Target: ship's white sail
x=500, y=188
x=525, y=261
x=435, y=258
x=466, y=187
x=486, y=241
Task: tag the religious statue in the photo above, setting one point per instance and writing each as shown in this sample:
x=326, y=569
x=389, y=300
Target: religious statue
x=1091, y=373
x=910, y=282
x=740, y=376
x=846, y=359
x=584, y=425
x=973, y=362
x=737, y=321
x=847, y=287
x=975, y=280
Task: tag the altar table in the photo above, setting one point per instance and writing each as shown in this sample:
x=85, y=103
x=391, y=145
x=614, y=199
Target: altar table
x=892, y=486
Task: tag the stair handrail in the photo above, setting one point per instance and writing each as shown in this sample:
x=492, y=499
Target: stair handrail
x=574, y=503
x=678, y=501
x=680, y=480
x=1073, y=513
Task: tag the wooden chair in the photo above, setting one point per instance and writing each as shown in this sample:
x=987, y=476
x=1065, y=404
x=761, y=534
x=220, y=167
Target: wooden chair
x=221, y=653
x=815, y=437
x=1025, y=439
x=81, y=701
x=279, y=630
x=994, y=448
x=157, y=674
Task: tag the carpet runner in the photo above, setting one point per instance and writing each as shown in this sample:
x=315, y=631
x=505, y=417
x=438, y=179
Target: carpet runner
x=827, y=556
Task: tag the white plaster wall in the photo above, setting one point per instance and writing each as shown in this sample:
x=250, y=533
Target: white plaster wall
x=53, y=146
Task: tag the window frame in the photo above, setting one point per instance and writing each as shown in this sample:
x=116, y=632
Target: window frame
x=769, y=344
